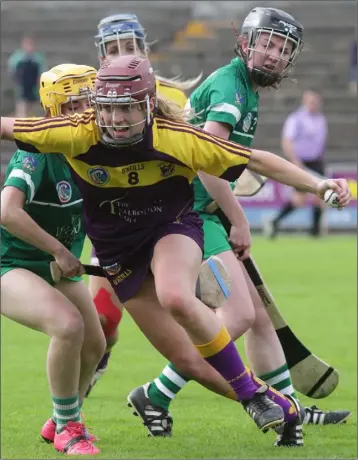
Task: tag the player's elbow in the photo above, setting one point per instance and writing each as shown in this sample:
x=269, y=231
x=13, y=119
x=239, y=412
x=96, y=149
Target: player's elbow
x=9, y=213
x=6, y=216
x=257, y=161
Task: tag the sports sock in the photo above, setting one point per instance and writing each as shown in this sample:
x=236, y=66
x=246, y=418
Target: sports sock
x=166, y=386
x=287, y=404
x=280, y=379
x=221, y=353
x=66, y=410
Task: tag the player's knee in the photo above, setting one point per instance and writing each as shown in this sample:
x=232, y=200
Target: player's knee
x=176, y=301
x=69, y=326
x=109, y=314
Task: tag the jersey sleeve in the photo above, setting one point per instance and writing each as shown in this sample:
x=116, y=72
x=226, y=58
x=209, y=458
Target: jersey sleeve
x=199, y=150
x=71, y=135
x=218, y=157
x=226, y=96
x=25, y=172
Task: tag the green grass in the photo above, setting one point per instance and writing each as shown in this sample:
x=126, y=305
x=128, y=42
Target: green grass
x=314, y=283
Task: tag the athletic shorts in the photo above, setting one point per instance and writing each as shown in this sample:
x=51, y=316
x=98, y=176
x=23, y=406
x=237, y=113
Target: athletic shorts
x=39, y=268
x=215, y=236
x=127, y=277
x=315, y=165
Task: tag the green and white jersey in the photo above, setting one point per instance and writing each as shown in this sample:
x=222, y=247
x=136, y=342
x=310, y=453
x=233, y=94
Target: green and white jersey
x=226, y=96
x=53, y=201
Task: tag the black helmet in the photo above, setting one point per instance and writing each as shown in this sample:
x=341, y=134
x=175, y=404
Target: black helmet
x=275, y=22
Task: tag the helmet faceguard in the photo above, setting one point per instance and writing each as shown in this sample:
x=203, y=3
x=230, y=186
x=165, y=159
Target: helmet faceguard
x=119, y=27
x=65, y=83
x=274, y=23
x=123, y=92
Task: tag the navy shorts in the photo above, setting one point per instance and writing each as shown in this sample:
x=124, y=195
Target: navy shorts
x=127, y=277
x=315, y=165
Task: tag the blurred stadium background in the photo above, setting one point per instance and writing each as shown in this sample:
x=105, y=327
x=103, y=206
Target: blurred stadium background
x=189, y=37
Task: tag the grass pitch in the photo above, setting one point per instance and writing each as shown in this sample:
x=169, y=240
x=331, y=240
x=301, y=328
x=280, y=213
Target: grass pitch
x=314, y=284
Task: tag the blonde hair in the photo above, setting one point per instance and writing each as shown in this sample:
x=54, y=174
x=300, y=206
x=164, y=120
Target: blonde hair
x=182, y=85
x=167, y=108
x=170, y=110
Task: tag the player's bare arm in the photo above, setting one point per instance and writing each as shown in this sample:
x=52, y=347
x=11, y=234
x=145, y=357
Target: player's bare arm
x=271, y=165
x=18, y=222
x=7, y=128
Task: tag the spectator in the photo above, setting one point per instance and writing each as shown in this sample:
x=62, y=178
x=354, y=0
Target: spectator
x=304, y=138
x=353, y=74
x=25, y=66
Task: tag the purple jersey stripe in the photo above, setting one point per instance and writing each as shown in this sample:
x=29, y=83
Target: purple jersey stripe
x=232, y=148
x=224, y=142
x=30, y=128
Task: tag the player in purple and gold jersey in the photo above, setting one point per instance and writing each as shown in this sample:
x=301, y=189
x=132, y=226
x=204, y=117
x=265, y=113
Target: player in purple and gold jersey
x=119, y=35
x=134, y=161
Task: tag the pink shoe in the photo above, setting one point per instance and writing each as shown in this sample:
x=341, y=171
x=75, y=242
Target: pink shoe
x=49, y=429
x=73, y=441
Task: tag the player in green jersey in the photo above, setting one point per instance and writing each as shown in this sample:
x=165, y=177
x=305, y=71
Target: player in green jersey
x=226, y=105
x=41, y=217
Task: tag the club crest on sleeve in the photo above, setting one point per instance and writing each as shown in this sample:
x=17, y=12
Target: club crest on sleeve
x=99, y=176
x=64, y=191
x=246, y=125
x=166, y=169
x=29, y=163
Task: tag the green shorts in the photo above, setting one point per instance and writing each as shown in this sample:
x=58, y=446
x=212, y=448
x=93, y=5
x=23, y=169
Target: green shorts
x=40, y=268
x=215, y=236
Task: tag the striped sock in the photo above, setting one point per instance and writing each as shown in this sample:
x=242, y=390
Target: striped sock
x=221, y=353
x=66, y=410
x=165, y=387
x=280, y=379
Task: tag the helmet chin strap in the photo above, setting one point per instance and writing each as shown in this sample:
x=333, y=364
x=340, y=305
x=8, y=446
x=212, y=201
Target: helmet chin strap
x=262, y=78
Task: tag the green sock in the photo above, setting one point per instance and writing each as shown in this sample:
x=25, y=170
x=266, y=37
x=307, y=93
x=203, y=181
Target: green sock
x=166, y=386
x=66, y=410
x=280, y=379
